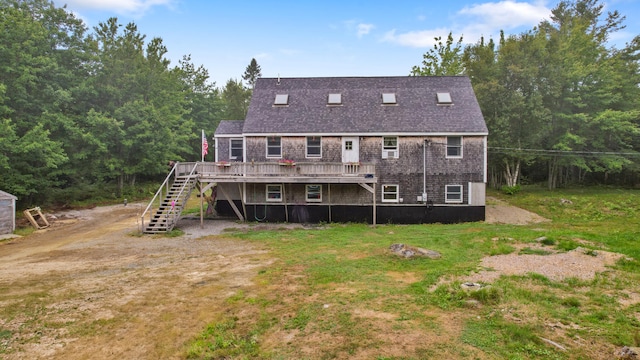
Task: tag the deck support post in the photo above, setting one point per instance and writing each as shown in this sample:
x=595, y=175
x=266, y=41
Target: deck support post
x=372, y=189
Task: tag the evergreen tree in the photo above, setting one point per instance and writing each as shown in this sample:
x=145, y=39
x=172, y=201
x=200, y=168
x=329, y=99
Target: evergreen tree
x=252, y=73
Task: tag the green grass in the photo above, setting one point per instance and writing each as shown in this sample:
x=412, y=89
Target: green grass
x=339, y=291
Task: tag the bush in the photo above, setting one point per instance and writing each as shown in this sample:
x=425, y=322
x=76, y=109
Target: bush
x=511, y=190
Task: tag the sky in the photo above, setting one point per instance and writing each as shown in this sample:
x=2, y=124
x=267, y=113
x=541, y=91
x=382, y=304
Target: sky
x=311, y=38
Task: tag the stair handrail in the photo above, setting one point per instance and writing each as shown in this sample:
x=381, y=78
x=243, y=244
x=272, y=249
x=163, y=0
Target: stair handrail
x=158, y=194
x=176, y=214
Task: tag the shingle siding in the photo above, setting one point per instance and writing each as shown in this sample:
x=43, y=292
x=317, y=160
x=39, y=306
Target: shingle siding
x=419, y=123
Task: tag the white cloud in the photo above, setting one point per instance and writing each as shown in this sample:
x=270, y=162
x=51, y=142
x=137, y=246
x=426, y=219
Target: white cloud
x=507, y=14
x=356, y=26
x=364, y=29
x=262, y=56
x=422, y=38
x=474, y=21
x=119, y=6
x=289, y=52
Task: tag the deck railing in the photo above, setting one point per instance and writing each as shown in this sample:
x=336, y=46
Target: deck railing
x=297, y=169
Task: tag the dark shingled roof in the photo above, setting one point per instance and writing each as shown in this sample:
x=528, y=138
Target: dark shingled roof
x=230, y=127
x=362, y=111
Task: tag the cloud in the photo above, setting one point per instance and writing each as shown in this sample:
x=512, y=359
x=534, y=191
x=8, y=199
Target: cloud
x=507, y=14
x=422, y=38
x=289, y=52
x=262, y=56
x=475, y=21
x=356, y=26
x=138, y=7
x=364, y=29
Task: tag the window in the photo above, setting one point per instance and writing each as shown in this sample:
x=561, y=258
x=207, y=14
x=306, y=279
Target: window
x=454, y=146
x=348, y=145
x=314, y=193
x=453, y=194
x=235, y=149
x=274, y=193
x=314, y=146
x=388, y=98
x=281, y=99
x=389, y=193
x=444, y=98
x=334, y=99
x=274, y=147
x=390, y=147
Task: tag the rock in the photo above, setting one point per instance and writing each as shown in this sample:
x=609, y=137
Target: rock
x=471, y=286
x=566, y=201
x=408, y=251
x=628, y=353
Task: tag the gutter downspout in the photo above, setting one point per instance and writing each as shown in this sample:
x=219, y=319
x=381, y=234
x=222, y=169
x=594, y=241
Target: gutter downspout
x=424, y=171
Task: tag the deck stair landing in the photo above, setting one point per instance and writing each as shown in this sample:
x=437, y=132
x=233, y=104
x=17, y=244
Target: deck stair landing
x=171, y=206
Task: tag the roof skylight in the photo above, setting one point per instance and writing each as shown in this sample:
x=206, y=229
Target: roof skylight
x=388, y=98
x=444, y=98
x=334, y=99
x=281, y=99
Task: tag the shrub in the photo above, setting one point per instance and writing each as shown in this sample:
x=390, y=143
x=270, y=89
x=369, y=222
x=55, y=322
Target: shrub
x=511, y=190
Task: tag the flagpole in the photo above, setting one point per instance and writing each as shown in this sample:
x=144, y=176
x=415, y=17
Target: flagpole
x=202, y=145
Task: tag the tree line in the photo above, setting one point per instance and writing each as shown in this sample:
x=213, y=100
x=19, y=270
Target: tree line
x=562, y=105
x=84, y=108
x=81, y=108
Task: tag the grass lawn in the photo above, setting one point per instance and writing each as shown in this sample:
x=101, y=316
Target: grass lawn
x=336, y=291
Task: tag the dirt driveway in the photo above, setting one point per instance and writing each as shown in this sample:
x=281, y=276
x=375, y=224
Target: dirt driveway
x=88, y=288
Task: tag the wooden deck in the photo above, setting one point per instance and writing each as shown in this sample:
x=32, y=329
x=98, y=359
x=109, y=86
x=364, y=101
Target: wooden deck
x=268, y=172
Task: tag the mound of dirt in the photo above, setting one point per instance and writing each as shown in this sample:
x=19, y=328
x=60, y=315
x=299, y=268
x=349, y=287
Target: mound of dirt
x=499, y=212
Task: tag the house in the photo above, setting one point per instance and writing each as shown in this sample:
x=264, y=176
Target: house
x=7, y=213
x=360, y=149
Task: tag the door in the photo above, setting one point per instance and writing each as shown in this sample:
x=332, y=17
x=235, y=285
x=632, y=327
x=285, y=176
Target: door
x=350, y=149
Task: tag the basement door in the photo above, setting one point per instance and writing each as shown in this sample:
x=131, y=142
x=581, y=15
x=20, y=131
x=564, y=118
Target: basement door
x=350, y=149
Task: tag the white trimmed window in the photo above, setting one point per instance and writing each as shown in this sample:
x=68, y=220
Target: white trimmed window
x=235, y=149
x=314, y=146
x=274, y=192
x=390, y=147
x=390, y=193
x=453, y=194
x=274, y=147
x=313, y=193
x=454, y=146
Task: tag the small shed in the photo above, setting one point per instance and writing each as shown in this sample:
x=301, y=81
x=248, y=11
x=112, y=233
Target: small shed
x=7, y=213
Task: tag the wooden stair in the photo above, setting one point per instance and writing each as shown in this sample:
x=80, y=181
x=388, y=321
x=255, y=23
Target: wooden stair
x=171, y=206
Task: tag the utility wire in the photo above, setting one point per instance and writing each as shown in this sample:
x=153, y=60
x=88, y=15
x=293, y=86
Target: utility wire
x=505, y=150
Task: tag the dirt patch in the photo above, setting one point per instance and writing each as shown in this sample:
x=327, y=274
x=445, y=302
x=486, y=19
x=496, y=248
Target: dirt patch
x=499, y=212
x=579, y=263
x=88, y=288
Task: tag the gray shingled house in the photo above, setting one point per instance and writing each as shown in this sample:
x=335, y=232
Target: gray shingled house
x=364, y=149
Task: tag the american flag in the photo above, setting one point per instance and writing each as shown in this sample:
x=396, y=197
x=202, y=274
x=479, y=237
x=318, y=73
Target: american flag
x=205, y=145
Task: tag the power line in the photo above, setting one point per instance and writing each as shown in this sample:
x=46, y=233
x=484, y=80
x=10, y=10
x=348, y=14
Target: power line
x=504, y=150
